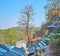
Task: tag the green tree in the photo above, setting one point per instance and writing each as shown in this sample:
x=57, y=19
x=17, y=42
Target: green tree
x=58, y=30
x=11, y=36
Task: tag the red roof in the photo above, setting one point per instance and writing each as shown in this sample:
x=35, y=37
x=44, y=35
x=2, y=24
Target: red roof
x=35, y=39
x=38, y=38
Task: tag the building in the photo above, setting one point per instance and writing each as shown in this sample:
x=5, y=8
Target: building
x=53, y=21
x=14, y=51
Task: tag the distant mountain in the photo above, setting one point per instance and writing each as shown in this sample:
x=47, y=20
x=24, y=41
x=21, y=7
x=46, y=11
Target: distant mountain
x=17, y=28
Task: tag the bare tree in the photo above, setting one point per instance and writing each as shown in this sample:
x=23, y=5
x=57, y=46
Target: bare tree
x=26, y=16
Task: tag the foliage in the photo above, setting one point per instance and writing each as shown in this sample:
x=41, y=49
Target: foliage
x=12, y=35
x=47, y=42
x=58, y=30
x=55, y=45
x=8, y=36
x=54, y=36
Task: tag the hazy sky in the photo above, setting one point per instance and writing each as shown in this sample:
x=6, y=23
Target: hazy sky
x=9, y=12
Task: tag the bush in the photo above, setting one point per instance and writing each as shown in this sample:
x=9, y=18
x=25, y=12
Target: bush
x=55, y=46
x=55, y=36
x=47, y=42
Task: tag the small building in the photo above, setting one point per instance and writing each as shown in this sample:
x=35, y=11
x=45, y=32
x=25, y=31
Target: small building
x=53, y=25
x=20, y=44
x=18, y=51
x=53, y=21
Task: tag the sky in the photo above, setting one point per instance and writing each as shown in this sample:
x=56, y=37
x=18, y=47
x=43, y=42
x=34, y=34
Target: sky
x=9, y=12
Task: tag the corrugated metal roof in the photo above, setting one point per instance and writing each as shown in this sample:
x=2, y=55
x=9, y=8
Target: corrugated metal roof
x=20, y=52
x=31, y=49
x=4, y=51
x=11, y=53
x=39, y=46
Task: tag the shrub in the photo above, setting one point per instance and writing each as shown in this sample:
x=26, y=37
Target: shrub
x=55, y=46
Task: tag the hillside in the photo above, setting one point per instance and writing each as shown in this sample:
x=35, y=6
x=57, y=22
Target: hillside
x=14, y=34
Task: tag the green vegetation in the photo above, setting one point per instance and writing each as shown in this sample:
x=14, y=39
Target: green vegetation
x=55, y=46
x=12, y=35
x=8, y=36
x=54, y=36
x=58, y=30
